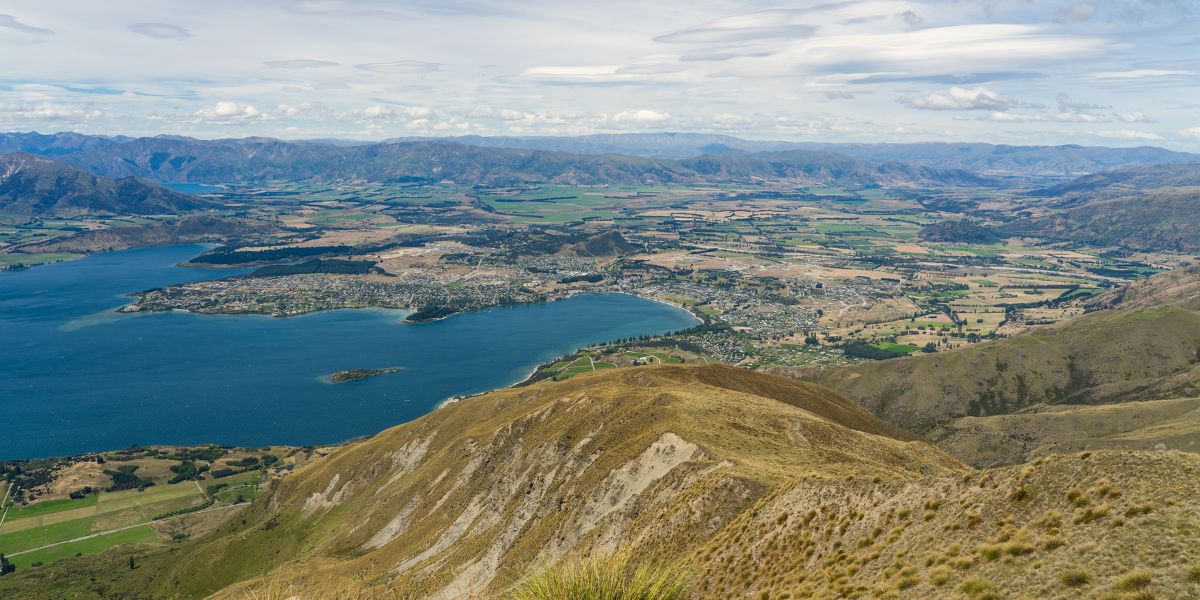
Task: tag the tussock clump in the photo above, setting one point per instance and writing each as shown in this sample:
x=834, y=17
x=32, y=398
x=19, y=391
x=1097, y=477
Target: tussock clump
x=1144, y=508
x=609, y=579
x=1135, y=581
x=1193, y=574
x=939, y=575
x=976, y=587
x=1077, y=498
x=1091, y=513
x=1075, y=578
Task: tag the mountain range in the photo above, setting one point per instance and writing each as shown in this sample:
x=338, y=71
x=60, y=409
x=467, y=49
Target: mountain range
x=987, y=159
x=1154, y=208
x=178, y=159
x=35, y=186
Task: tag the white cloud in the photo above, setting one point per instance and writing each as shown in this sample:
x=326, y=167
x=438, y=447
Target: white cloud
x=11, y=22
x=229, y=113
x=164, y=31
x=580, y=74
x=1129, y=134
x=293, y=111
x=377, y=111
x=641, y=116
x=1076, y=13
x=1142, y=73
x=46, y=111
x=401, y=67
x=767, y=24
x=957, y=98
x=1191, y=132
x=1132, y=117
x=786, y=74
x=1066, y=104
x=1062, y=117
x=298, y=63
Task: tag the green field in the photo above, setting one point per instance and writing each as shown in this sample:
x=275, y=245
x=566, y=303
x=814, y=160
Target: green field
x=95, y=545
x=35, y=259
x=29, y=539
x=52, y=521
x=894, y=347
x=50, y=506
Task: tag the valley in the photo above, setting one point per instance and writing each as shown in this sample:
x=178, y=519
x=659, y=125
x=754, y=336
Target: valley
x=795, y=374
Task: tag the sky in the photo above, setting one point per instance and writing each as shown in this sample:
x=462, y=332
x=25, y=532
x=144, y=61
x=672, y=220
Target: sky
x=1094, y=72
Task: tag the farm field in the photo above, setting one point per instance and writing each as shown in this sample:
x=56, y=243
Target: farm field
x=54, y=526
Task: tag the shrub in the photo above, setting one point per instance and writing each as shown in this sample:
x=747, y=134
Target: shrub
x=939, y=575
x=1075, y=578
x=1193, y=574
x=1076, y=498
x=991, y=551
x=608, y=579
x=1091, y=513
x=975, y=587
x=1017, y=549
x=1134, y=581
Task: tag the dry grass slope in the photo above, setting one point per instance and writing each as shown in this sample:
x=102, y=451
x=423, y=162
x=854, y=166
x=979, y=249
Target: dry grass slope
x=468, y=499
x=752, y=486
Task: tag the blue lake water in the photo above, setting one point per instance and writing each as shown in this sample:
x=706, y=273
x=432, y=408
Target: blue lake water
x=76, y=376
x=193, y=188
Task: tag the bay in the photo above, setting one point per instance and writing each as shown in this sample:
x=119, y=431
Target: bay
x=75, y=376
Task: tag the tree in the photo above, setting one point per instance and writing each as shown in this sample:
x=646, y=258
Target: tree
x=929, y=348
x=131, y=565
x=6, y=567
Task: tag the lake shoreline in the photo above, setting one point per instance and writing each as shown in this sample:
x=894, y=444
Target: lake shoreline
x=178, y=378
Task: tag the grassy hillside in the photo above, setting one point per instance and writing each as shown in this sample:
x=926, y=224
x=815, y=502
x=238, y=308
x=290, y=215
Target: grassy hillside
x=468, y=498
x=1110, y=524
x=1141, y=343
x=739, y=485
x=1108, y=356
x=1141, y=208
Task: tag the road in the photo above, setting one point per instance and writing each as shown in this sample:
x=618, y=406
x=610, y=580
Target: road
x=5, y=501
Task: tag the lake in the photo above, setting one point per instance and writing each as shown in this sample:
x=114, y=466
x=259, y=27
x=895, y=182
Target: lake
x=78, y=377
x=193, y=188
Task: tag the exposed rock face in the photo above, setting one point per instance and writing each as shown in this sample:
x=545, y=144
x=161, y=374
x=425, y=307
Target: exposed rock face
x=655, y=459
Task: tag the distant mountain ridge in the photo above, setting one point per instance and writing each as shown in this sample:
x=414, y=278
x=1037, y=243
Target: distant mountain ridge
x=1154, y=208
x=986, y=159
x=176, y=159
x=33, y=186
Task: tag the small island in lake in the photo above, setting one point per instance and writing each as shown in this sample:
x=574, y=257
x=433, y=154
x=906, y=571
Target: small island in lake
x=356, y=374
